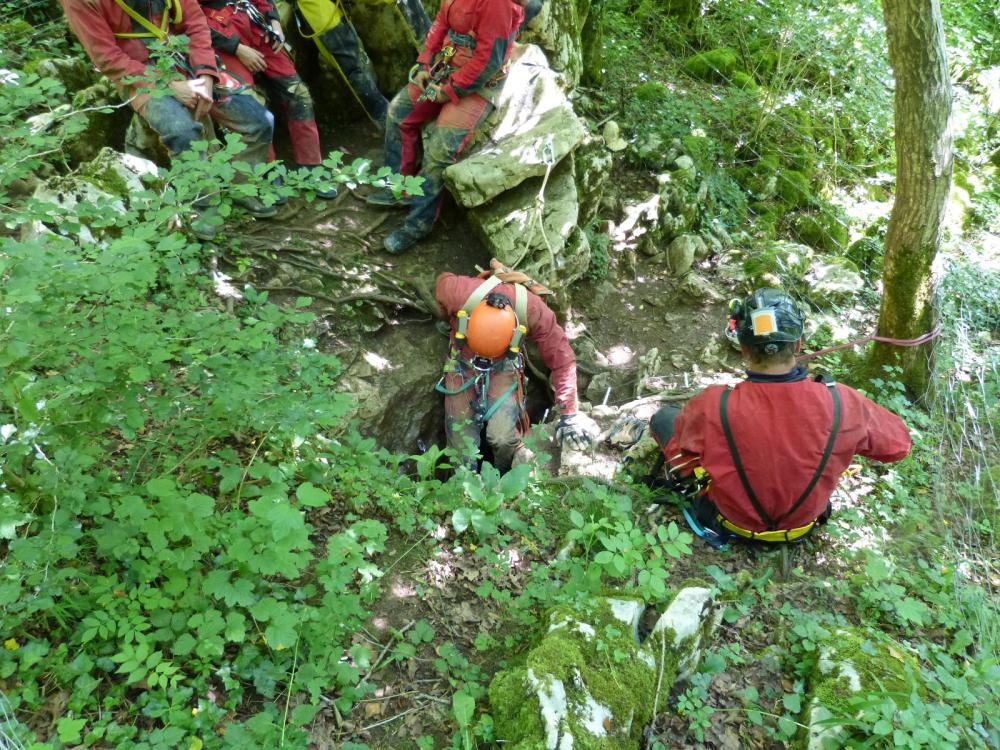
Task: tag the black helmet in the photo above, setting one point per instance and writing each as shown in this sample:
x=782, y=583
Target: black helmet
x=766, y=316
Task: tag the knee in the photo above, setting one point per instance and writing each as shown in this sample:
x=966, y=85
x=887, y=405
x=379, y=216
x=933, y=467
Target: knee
x=300, y=103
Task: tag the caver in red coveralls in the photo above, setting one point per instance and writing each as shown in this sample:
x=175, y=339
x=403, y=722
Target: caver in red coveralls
x=231, y=27
x=117, y=45
x=509, y=422
x=780, y=426
x=482, y=33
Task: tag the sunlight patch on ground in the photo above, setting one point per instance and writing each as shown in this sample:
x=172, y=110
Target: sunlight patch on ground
x=403, y=589
x=377, y=361
x=620, y=355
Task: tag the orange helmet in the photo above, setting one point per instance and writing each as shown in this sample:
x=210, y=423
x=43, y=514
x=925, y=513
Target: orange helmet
x=491, y=329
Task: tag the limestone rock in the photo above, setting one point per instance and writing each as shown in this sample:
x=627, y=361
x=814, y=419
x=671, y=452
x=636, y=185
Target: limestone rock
x=613, y=137
x=697, y=287
x=74, y=73
x=682, y=253
x=558, y=29
x=516, y=228
x=855, y=661
x=778, y=264
x=82, y=127
x=593, y=167
x=834, y=280
x=566, y=695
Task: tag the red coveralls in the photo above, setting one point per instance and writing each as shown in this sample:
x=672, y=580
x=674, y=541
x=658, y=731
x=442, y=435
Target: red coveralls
x=510, y=421
x=482, y=33
x=780, y=430
x=232, y=27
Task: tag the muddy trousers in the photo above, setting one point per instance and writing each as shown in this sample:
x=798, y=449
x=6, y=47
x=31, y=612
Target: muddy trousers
x=505, y=427
x=289, y=96
x=442, y=142
x=344, y=45
x=240, y=114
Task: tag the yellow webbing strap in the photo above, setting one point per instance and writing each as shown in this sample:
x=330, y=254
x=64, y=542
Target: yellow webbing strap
x=477, y=296
x=321, y=15
x=521, y=311
x=157, y=32
x=789, y=535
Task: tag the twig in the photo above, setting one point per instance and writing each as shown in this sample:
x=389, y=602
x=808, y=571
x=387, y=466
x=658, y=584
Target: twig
x=288, y=693
x=659, y=678
x=395, y=637
x=391, y=718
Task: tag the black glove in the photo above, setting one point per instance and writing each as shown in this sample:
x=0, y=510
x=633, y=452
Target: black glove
x=573, y=431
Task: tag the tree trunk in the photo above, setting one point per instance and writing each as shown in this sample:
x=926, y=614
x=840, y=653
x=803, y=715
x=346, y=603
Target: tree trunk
x=923, y=179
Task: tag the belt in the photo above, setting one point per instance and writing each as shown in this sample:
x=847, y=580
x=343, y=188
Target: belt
x=789, y=535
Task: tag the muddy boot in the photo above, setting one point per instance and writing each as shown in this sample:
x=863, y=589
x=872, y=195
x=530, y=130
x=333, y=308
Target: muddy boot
x=324, y=191
x=401, y=240
x=206, y=226
x=384, y=197
x=255, y=208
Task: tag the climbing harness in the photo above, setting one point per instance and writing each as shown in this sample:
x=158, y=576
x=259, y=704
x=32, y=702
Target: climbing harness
x=260, y=21
x=774, y=533
x=439, y=69
x=484, y=367
x=151, y=31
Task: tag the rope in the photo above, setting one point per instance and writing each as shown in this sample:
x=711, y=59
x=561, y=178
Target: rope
x=919, y=340
x=548, y=156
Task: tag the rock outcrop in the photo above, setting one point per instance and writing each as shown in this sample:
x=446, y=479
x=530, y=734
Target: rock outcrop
x=568, y=695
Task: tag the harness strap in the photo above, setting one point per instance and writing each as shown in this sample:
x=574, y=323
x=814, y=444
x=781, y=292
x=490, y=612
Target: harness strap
x=772, y=525
x=157, y=32
x=521, y=311
x=477, y=296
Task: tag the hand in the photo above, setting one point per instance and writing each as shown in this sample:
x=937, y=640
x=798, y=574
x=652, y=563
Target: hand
x=251, y=58
x=422, y=78
x=574, y=432
x=193, y=93
x=435, y=93
x=203, y=87
x=279, y=34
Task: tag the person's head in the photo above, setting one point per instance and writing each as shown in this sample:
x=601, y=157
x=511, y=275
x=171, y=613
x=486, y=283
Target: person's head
x=769, y=327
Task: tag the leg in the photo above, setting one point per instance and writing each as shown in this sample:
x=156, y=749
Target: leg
x=400, y=107
x=344, y=46
x=446, y=139
x=172, y=121
x=661, y=426
x=294, y=99
x=462, y=430
x=245, y=115
x=411, y=130
x=509, y=422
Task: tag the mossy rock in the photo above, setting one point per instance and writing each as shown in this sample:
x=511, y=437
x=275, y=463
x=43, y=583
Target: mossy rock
x=779, y=264
x=684, y=11
x=867, y=254
x=794, y=188
x=589, y=684
x=825, y=230
x=743, y=80
x=715, y=65
x=702, y=149
x=650, y=92
x=834, y=280
x=852, y=662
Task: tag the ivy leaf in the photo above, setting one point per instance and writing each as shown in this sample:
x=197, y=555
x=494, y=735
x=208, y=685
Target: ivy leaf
x=792, y=702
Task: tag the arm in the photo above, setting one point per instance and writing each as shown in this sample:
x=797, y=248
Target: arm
x=435, y=37
x=225, y=43
x=452, y=291
x=94, y=32
x=887, y=437
x=200, y=53
x=545, y=331
x=496, y=28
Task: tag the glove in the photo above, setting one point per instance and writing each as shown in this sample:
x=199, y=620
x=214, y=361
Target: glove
x=574, y=432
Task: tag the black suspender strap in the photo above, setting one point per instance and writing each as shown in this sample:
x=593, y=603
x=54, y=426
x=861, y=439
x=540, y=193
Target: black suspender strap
x=724, y=414
x=738, y=463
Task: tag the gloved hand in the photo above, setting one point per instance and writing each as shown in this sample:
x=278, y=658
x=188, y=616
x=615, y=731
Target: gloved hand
x=574, y=432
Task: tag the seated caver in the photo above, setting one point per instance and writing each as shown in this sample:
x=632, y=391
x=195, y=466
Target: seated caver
x=760, y=461
x=250, y=43
x=115, y=35
x=483, y=379
x=432, y=120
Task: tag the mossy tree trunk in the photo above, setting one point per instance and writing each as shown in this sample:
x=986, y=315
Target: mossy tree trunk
x=923, y=179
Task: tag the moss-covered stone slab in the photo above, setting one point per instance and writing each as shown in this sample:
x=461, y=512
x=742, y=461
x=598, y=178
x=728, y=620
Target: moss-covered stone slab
x=778, y=264
x=717, y=65
x=589, y=684
x=854, y=661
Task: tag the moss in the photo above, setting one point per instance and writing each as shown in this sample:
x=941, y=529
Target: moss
x=102, y=175
x=824, y=230
x=794, y=188
x=717, y=65
x=881, y=664
x=702, y=149
x=515, y=712
x=867, y=253
x=650, y=92
x=745, y=81
x=778, y=264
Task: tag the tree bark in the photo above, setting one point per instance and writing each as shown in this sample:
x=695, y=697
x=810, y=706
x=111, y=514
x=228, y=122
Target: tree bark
x=923, y=179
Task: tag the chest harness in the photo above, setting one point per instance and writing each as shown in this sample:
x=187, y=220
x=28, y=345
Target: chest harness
x=774, y=531
x=476, y=371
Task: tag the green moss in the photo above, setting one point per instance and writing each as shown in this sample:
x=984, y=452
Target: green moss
x=824, y=230
x=702, y=149
x=779, y=264
x=650, y=92
x=515, y=713
x=717, y=65
x=882, y=666
x=867, y=253
x=102, y=175
x=745, y=81
x=794, y=188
